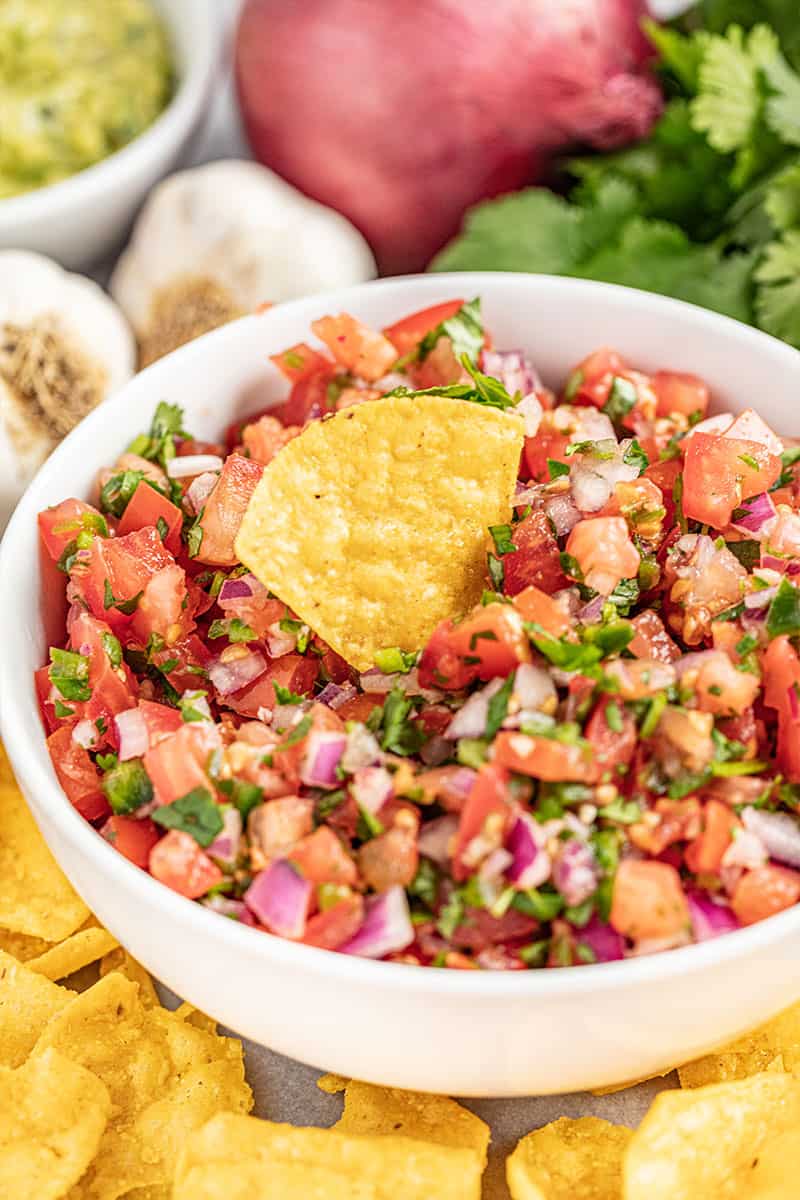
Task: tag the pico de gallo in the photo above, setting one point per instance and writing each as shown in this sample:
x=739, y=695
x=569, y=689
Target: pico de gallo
x=601, y=760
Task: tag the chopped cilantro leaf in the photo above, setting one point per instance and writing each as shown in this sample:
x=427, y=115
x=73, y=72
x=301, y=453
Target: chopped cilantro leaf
x=465, y=330
x=284, y=695
x=112, y=648
x=613, y=717
x=368, y=825
x=245, y=796
x=63, y=710
x=450, y=916
x=69, y=674
x=635, y=456
x=783, y=615
x=501, y=536
x=124, y=606
x=621, y=399
x=497, y=572
x=196, y=813
x=194, y=535
x=623, y=812
x=297, y=734
x=498, y=706
x=233, y=629
x=395, y=730
x=556, y=469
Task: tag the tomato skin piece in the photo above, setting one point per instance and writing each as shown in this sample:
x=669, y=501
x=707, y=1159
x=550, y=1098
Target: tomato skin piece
x=224, y=509
x=533, y=604
x=547, y=444
x=704, y=854
x=300, y=361
x=648, y=900
x=544, y=758
x=287, y=759
x=440, y=665
x=406, y=334
x=322, y=858
x=487, y=799
x=764, y=892
x=61, y=524
x=536, y=560
x=179, y=862
x=133, y=838
x=489, y=643
x=355, y=346
x=336, y=925
x=77, y=774
x=611, y=747
x=678, y=392
x=144, y=508
x=296, y=672
x=718, y=474
x=179, y=763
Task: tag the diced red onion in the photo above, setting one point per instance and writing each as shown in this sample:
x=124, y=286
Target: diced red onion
x=229, y=677
x=526, y=495
x=237, y=589
x=284, y=716
x=695, y=661
x=759, y=512
x=708, y=918
x=592, y=612
x=84, y=733
x=513, y=368
x=754, y=601
x=374, y=682
x=193, y=464
x=530, y=862
x=495, y=865
x=436, y=837
x=470, y=720
x=279, y=641
x=590, y=490
x=563, y=512
x=575, y=872
x=337, y=694
x=605, y=943
x=386, y=927
x=779, y=832
x=582, y=423
x=225, y=847
x=324, y=750
x=362, y=750
x=200, y=489
x=280, y=898
x=531, y=411
x=436, y=751
x=746, y=852
x=132, y=735
x=533, y=686
x=371, y=788
x=236, y=909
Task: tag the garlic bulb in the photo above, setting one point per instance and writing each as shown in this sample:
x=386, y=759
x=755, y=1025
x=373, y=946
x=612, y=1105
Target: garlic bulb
x=214, y=242
x=64, y=347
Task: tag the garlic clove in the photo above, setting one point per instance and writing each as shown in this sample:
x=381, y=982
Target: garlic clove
x=214, y=242
x=64, y=348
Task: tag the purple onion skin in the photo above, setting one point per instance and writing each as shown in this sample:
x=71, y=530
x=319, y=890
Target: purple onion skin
x=604, y=942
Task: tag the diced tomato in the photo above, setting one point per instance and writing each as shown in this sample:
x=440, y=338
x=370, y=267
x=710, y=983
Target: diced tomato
x=489, y=643
x=179, y=763
x=225, y=508
x=44, y=690
x=721, y=471
x=287, y=759
x=186, y=659
x=704, y=854
x=782, y=692
x=435, y=719
x=547, y=444
x=612, y=747
x=480, y=929
x=446, y=785
x=406, y=335
x=322, y=858
x=77, y=774
x=334, y=926
x=648, y=900
x=678, y=820
x=300, y=361
x=765, y=891
x=160, y=719
x=146, y=507
x=722, y=689
x=308, y=400
x=545, y=758
x=133, y=838
x=665, y=475
x=651, y=639
x=61, y=524
x=533, y=604
x=265, y=437
x=536, y=560
x=296, y=672
x=179, y=862
x=604, y=552
x=114, y=688
x=753, y=428
x=121, y=569
x=391, y=859
x=355, y=346
x=592, y=379
x=680, y=393
x=360, y=707
x=641, y=504
x=332, y=666
x=487, y=802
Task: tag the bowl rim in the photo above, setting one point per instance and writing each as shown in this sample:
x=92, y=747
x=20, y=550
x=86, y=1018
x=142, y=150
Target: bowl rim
x=32, y=765
x=181, y=111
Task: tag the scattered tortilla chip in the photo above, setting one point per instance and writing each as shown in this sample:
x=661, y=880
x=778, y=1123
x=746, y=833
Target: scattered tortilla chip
x=623, y=1087
x=569, y=1160
x=272, y=1181
x=332, y=1084
x=775, y=1045
x=373, y=525
x=193, y=1016
x=721, y=1142
x=22, y=946
x=27, y=1003
x=396, y=1166
x=119, y=960
x=165, y=1077
x=390, y=1111
x=36, y=898
x=79, y=950
x=52, y=1116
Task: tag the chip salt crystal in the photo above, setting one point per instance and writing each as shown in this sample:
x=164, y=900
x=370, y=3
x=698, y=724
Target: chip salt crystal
x=372, y=525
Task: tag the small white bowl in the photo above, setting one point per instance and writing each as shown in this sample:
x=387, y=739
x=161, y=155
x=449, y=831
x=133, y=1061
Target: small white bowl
x=80, y=219
x=466, y=1033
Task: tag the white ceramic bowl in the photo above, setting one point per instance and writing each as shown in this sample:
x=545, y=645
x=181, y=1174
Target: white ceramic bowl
x=79, y=220
x=480, y=1033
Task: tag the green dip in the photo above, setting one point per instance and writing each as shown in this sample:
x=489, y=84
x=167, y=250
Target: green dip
x=78, y=80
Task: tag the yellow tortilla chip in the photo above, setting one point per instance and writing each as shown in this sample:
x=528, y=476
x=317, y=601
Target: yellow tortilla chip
x=79, y=950
x=775, y=1045
x=332, y=1084
x=193, y=1016
x=393, y=1166
x=390, y=1111
x=119, y=960
x=569, y=1160
x=623, y=1087
x=22, y=946
x=36, y=898
x=271, y=1181
x=373, y=525
x=723, y=1142
x=164, y=1075
x=27, y=1003
x=52, y=1117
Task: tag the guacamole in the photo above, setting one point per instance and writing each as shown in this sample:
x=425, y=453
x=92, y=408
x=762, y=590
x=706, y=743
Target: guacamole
x=77, y=82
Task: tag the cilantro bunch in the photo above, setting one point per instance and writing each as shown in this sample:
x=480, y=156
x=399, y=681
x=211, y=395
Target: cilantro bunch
x=707, y=208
